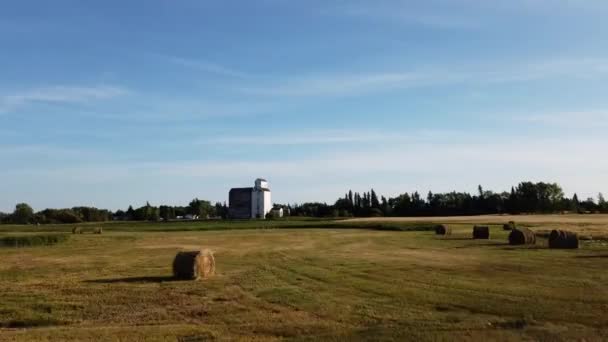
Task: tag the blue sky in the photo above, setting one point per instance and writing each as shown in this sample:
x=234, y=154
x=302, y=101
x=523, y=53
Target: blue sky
x=112, y=103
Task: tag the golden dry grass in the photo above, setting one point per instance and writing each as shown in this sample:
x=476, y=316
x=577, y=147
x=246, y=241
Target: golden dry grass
x=305, y=285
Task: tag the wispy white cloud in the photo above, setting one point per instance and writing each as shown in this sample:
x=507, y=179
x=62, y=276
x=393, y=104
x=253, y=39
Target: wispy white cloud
x=41, y=150
x=401, y=14
x=287, y=139
x=574, y=119
x=332, y=84
x=460, y=14
x=536, y=6
x=332, y=137
x=341, y=84
x=59, y=94
x=206, y=66
x=391, y=170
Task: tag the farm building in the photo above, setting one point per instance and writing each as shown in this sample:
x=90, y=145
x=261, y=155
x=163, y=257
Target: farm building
x=277, y=212
x=247, y=203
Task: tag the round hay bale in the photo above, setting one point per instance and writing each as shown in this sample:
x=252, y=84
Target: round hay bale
x=76, y=230
x=442, y=229
x=587, y=237
x=509, y=226
x=194, y=265
x=481, y=232
x=522, y=236
x=98, y=230
x=563, y=239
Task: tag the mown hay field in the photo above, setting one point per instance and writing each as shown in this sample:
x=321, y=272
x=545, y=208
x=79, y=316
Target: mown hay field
x=305, y=284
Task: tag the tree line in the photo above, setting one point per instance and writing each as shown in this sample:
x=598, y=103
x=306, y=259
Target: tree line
x=196, y=209
x=24, y=214
x=525, y=198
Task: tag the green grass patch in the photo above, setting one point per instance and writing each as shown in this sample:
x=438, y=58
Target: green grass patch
x=214, y=225
x=32, y=240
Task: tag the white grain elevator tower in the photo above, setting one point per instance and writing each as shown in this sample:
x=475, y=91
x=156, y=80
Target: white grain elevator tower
x=261, y=202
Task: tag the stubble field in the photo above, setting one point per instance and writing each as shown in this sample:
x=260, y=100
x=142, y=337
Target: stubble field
x=308, y=283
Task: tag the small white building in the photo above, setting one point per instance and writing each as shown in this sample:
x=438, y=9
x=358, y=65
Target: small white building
x=277, y=212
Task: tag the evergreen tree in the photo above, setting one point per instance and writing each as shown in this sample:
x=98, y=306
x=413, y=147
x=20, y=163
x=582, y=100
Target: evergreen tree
x=375, y=203
x=601, y=203
x=130, y=213
x=575, y=204
x=512, y=202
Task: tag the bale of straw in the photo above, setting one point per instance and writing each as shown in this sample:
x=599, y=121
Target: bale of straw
x=76, y=230
x=194, y=265
x=522, y=236
x=97, y=230
x=563, y=239
x=481, y=232
x=442, y=229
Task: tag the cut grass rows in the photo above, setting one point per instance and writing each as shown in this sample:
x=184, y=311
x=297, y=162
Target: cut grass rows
x=304, y=284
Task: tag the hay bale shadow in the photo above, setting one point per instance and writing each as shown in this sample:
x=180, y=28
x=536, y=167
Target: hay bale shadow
x=523, y=247
x=200, y=337
x=491, y=244
x=591, y=256
x=31, y=323
x=517, y=324
x=449, y=238
x=151, y=279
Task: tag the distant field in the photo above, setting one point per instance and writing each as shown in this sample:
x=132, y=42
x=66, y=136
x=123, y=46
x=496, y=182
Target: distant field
x=215, y=225
x=559, y=219
x=595, y=225
x=305, y=284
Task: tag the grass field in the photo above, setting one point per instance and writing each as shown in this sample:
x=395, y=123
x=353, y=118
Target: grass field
x=305, y=283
